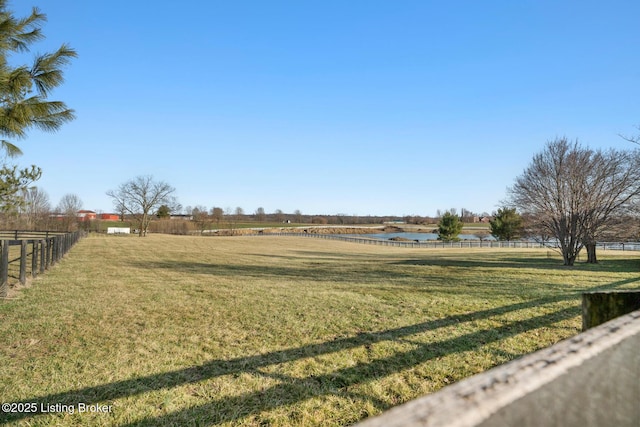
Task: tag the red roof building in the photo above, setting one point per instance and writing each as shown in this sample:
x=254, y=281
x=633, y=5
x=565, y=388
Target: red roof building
x=110, y=217
x=86, y=215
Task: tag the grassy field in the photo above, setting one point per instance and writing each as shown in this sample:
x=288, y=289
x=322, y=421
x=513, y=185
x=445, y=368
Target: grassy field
x=257, y=331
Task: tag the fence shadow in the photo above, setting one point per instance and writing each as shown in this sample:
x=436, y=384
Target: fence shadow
x=338, y=382
x=314, y=271
x=612, y=265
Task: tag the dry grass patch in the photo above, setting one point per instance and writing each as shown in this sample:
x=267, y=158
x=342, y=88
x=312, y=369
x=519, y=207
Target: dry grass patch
x=174, y=330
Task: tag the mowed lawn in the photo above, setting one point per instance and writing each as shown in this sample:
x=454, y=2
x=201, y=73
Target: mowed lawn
x=174, y=330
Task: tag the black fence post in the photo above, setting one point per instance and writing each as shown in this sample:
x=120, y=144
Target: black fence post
x=34, y=258
x=4, y=268
x=23, y=262
x=48, y=250
x=43, y=253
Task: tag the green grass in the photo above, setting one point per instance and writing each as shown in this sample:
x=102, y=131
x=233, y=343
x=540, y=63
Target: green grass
x=172, y=330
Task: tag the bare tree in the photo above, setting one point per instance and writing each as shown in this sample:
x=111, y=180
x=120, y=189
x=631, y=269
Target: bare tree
x=141, y=197
x=69, y=206
x=278, y=215
x=200, y=217
x=36, y=207
x=231, y=220
x=218, y=215
x=613, y=186
x=466, y=215
x=570, y=192
x=260, y=214
x=634, y=138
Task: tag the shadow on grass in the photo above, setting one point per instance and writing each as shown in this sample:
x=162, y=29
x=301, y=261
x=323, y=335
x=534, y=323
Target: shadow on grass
x=608, y=265
x=294, y=390
x=312, y=271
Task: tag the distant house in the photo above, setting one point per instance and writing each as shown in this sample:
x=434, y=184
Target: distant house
x=84, y=215
x=109, y=217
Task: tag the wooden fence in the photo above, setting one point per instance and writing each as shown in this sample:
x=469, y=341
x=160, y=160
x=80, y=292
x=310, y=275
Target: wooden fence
x=33, y=252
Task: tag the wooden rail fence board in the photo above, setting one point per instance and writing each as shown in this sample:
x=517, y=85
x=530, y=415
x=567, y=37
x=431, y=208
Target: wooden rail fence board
x=39, y=249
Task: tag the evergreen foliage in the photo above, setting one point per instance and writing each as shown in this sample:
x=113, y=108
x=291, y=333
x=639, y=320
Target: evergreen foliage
x=449, y=227
x=24, y=103
x=24, y=89
x=506, y=224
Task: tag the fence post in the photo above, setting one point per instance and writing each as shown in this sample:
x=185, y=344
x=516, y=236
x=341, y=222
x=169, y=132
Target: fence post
x=53, y=251
x=48, y=244
x=601, y=306
x=34, y=258
x=42, y=243
x=23, y=261
x=4, y=268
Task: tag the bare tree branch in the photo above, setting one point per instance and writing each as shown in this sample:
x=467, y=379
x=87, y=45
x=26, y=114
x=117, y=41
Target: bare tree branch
x=571, y=192
x=140, y=197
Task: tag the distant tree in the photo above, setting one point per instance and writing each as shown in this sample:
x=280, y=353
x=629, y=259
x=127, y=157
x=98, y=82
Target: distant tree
x=218, y=215
x=200, y=217
x=570, y=192
x=466, y=215
x=36, y=208
x=163, y=212
x=69, y=206
x=506, y=224
x=297, y=216
x=278, y=215
x=231, y=219
x=140, y=197
x=449, y=227
x=319, y=220
x=260, y=214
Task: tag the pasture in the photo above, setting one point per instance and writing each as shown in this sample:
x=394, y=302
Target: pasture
x=255, y=331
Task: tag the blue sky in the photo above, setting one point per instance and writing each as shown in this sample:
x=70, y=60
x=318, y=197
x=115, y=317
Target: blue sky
x=353, y=107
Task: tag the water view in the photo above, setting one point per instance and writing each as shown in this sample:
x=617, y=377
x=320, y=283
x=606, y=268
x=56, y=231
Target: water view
x=422, y=236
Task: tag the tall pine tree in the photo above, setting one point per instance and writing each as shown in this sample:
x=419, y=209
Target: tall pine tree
x=24, y=96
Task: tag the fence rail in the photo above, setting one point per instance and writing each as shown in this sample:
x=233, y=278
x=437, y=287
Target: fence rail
x=626, y=246
x=414, y=244
x=38, y=251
